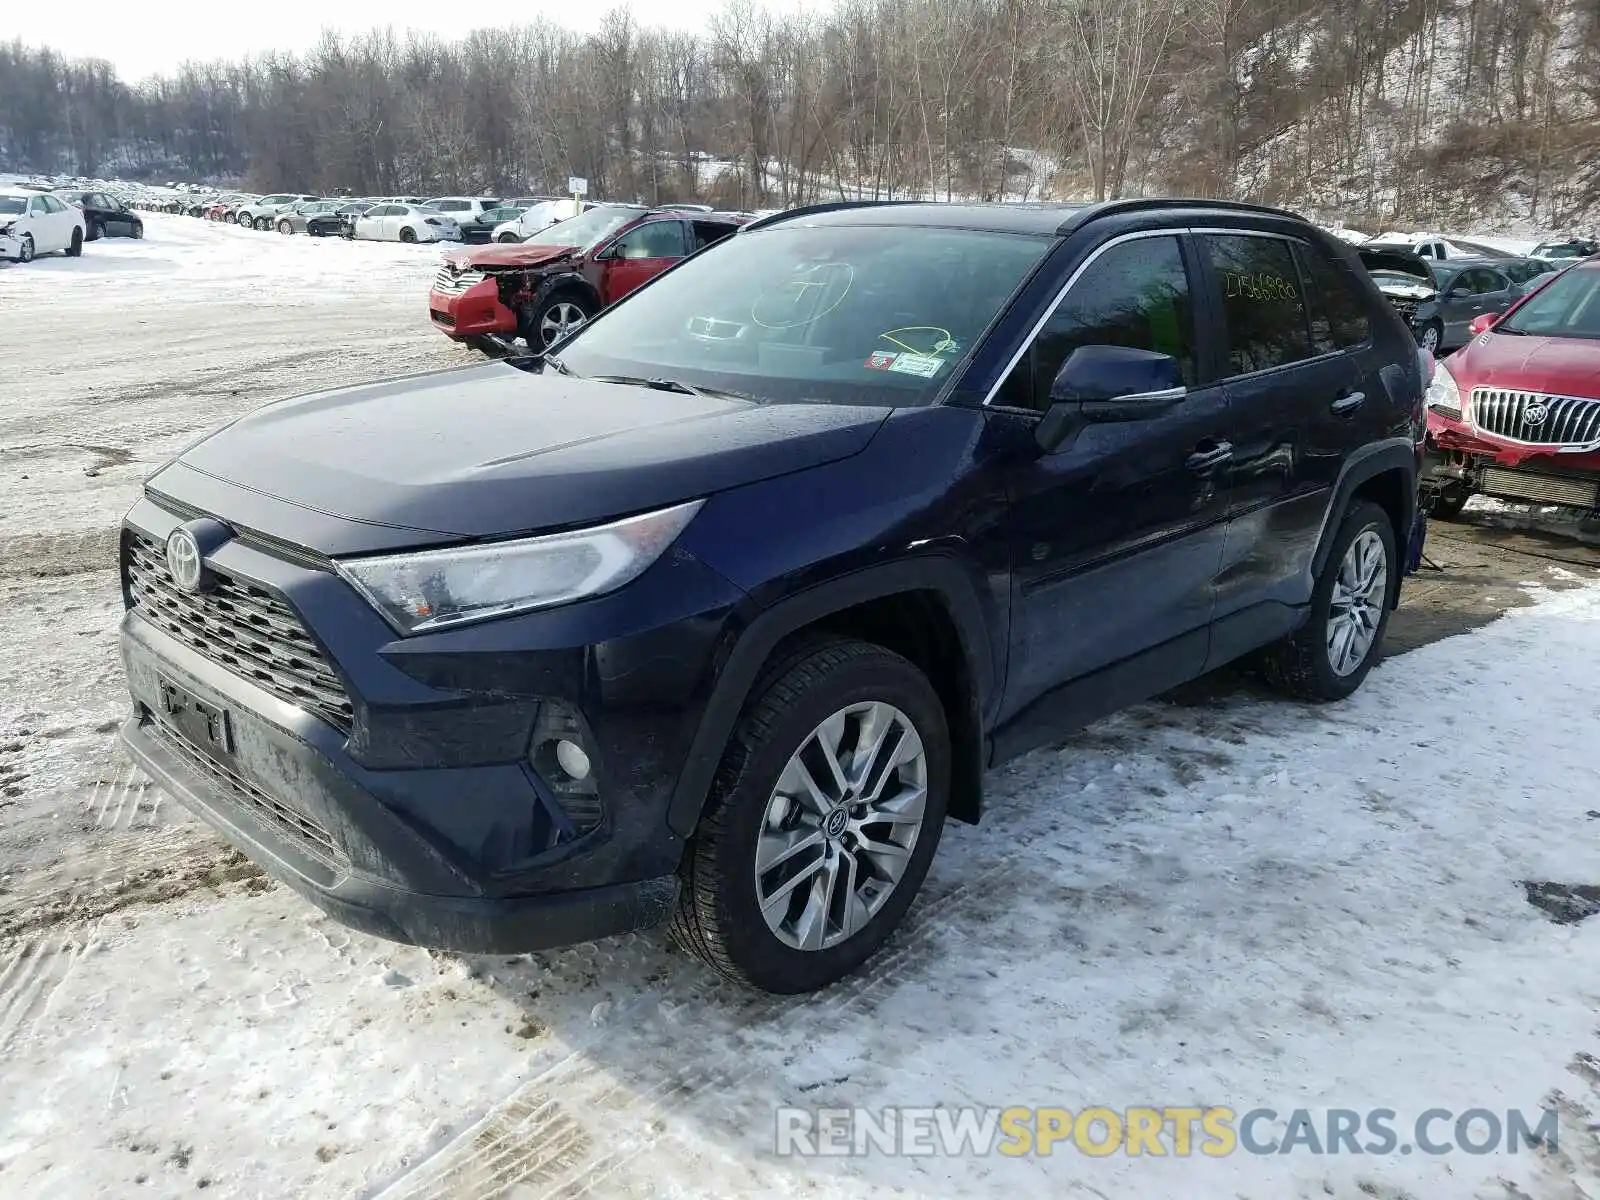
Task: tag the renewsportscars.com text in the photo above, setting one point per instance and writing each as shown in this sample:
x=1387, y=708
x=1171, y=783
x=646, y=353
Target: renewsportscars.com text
x=1174, y=1131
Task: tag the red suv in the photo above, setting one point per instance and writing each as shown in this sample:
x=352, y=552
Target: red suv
x=1516, y=412
x=561, y=276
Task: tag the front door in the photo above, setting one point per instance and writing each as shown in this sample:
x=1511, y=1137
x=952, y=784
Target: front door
x=1116, y=536
x=639, y=255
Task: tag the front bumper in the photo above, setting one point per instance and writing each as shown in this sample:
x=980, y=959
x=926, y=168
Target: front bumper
x=10, y=246
x=1459, y=455
x=427, y=823
x=476, y=312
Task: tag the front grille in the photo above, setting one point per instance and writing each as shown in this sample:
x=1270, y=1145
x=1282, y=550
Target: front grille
x=240, y=626
x=1574, y=491
x=1406, y=308
x=1561, y=420
x=452, y=283
x=308, y=834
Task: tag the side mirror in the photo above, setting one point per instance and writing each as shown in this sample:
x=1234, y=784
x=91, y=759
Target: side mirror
x=1109, y=383
x=1482, y=323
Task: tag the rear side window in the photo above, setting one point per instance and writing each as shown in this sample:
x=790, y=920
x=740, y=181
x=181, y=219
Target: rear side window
x=1262, y=307
x=1336, y=307
x=1135, y=295
x=653, y=239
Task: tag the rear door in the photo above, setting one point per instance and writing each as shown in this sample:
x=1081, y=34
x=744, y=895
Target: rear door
x=1294, y=400
x=1497, y=290
x=641, y=254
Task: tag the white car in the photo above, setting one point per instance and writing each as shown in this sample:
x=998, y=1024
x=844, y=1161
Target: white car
x=33, y=223
x=406, y=223
x=541, y=216
x=462, y=208
x=260, y=214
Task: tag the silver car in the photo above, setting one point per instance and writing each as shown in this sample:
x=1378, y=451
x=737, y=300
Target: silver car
x=293, y=220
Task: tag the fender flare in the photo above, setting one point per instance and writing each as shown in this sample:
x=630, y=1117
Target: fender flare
x=1374, y=459
x=754, y=646
x=567, y=279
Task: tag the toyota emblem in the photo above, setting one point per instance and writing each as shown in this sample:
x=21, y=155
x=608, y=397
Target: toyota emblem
x=1534, y=414
x=183, y=559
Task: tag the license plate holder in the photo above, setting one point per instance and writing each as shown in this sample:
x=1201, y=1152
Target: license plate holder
x=205, y=725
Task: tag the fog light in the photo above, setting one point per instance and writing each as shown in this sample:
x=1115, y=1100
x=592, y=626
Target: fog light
x=572, y=759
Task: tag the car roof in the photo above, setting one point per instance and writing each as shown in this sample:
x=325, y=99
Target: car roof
x=1036, y=218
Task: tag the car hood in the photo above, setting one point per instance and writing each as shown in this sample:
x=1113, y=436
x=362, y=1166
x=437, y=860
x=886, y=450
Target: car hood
x=491, y=451
x=1559, y=366
x=515, y=254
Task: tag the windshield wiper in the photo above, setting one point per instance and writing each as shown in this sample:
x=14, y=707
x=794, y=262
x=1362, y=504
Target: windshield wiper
x=669, y=385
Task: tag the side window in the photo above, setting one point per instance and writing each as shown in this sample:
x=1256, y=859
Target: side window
x=453, y=206
x=37, y=206
x=1337, y=308
x=1262, y=308
x=1136, y=295
x=655, y=239
x=707, y=233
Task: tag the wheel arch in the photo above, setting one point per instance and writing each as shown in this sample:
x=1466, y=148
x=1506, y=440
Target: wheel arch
x=926, y=610
x=567, y=281
x=1384, y=472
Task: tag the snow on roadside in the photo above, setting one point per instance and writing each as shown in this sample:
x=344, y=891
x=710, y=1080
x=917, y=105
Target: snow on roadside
x=1243, y=902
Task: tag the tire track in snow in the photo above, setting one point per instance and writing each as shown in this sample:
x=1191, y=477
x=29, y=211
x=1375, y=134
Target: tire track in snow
x=525, y=1141
x=35, y=972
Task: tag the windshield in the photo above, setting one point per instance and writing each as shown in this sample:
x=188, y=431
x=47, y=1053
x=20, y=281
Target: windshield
x=588, y=230
x=1400, y=279
x=12, y=206
x=1567, y=306
x=847, y=315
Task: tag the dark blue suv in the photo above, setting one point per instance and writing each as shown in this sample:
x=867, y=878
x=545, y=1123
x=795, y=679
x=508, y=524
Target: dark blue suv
x=717, y=611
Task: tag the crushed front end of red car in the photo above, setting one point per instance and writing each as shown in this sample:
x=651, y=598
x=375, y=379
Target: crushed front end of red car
x=1516, y=413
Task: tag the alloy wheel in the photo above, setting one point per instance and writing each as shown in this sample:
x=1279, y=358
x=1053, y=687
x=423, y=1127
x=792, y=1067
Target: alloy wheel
x=1355, y=611
x=1430, y=340
x=559, y=320
x=840, y=826
x=25, y=254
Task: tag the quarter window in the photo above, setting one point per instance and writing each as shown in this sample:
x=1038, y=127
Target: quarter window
x=1262, y=308
x=1135, y=295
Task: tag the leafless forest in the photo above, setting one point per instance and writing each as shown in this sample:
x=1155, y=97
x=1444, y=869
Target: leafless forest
x=1375, y=111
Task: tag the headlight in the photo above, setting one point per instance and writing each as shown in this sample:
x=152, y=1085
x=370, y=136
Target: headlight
x=434, y=589
x=1443, y=396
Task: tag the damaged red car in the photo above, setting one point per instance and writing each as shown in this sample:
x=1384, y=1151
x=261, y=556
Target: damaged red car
x=1516, y=412
x=542, y=288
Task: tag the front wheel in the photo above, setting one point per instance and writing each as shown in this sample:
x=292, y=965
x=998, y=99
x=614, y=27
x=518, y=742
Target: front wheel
x=1431, y=338
x=75, y=250
x=1328, y=657
x=285, y=226
x=25, y=249
x=1446, y=504
x=823, y=818
x=244, y=219
x=544, y=324
x=507, y=237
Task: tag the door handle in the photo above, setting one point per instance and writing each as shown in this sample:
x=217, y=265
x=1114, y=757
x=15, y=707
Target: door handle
x=1345, y=405
x=1203, y=460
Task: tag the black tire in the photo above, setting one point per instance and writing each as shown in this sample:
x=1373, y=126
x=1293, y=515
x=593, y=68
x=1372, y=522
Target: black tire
x=1435, y=331
x=285, y=226
x=1300, y=664
x=25, y=249
x=1446, y=505
x=531, y=318
x=718, y=919
x=138, y=229
x=96, y=231
x=406, y=235
x=507, y=237
x=76, y=249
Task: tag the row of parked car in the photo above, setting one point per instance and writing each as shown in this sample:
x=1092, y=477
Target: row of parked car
x=35, y=219
x=1440, y=287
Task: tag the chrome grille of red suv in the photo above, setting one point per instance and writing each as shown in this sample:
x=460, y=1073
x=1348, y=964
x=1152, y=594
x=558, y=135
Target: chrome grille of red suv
x=1559, y=420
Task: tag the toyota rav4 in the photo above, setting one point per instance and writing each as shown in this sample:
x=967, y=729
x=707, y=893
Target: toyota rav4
x=716, y=612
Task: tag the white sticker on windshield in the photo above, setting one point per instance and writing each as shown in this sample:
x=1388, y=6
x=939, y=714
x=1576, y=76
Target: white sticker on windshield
x=924, y=365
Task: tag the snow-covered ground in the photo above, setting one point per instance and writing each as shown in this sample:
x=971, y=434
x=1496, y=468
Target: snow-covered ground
x=1230, y=900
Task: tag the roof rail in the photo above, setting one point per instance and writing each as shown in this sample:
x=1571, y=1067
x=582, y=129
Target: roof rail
x=809, y=210
x=1090, y=212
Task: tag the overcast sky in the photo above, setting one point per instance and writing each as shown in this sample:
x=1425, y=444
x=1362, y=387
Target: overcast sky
x=151, y=37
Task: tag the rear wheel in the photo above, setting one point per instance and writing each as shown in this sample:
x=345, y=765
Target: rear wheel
x=244, y=219
x=1328, y=657
x=822, y=821
x=407, y=234
x=286, y=226
x=544, y=324
x=76, y=248
x=97, y=230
